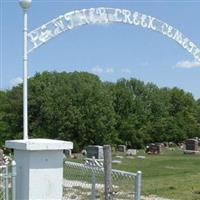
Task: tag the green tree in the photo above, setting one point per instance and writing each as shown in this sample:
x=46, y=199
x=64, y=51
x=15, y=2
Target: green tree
x=81, y=108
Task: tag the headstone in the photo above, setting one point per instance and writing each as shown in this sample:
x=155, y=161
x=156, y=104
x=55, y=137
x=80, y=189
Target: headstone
x=131, y=152
x=166, y=144
x=154, y=148
x=122, y=148
x=95, y=151
x=2, y=161
x=84, y=152
x=162, y=146
x=113, y=149
x=67, y=152
x=181, y=145
x=198, y=141
x=191, y=145
x=172, y=144
x=1, y=152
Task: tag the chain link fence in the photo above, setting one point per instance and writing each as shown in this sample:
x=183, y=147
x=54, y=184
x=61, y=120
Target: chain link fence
x=2, y=185
x=86, y=181
x=7, y=181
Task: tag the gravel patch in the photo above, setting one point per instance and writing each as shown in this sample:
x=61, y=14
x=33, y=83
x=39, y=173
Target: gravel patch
x=153, y=197
x=79, y=190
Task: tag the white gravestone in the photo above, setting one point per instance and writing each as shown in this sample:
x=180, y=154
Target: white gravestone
x=131, y=152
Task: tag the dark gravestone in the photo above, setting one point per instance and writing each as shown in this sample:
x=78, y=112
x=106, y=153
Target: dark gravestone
x=154, y=149
x=94, y=151
x=191, y=145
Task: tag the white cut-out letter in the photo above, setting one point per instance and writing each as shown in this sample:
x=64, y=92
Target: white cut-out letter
x=191, y=47
x=103, y=16
x=58, y=23
x=178, y=37
x=45, y=34
x=136, y=18
x=164, y=28
x=92, y=15
x=143, y=21
x=151, y=24
x=70, y=24
x=118, y=15
x=127, y=15
x=34, y=37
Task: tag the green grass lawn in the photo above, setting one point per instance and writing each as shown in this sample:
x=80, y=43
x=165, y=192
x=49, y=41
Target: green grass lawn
x=172, y=174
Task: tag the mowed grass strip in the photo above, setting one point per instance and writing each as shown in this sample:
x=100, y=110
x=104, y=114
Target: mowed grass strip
x=171, y=174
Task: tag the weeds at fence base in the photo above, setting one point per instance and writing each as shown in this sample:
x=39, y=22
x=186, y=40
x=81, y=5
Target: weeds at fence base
x=77, y=190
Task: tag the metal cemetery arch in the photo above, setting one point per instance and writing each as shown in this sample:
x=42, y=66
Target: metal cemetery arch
x=101, y=15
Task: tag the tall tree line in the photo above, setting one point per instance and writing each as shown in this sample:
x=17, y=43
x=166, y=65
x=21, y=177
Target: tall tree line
x=81, y=108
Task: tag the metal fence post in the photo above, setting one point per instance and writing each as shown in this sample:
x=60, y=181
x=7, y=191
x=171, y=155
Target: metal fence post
x=107, y=171
x=138, y=185
x=13, y=180
x=6, y=183
x=93, y=181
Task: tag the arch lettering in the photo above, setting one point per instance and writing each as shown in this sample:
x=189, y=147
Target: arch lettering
x=101, y=15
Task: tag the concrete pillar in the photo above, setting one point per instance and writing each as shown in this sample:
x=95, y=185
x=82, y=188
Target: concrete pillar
x=39, y=167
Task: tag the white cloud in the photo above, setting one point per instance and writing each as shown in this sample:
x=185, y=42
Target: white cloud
x=126, y=70
x=188, y=64
x=97, y=70
x=16, y=81
x=109, y=70
x=100, y=70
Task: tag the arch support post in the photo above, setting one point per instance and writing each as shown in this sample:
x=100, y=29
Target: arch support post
x=25, y=5
x=25, y=77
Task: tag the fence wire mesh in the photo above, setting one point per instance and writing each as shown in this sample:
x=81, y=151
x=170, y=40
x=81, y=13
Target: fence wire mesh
x=86, y=181
x=2, y=183
x=7, y=181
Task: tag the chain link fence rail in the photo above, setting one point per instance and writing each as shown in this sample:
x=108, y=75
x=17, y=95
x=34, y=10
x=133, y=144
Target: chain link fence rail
x=7, y=181
x=86, y=181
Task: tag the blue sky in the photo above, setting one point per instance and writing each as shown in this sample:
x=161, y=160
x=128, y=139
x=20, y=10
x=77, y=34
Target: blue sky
x=111, y=51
